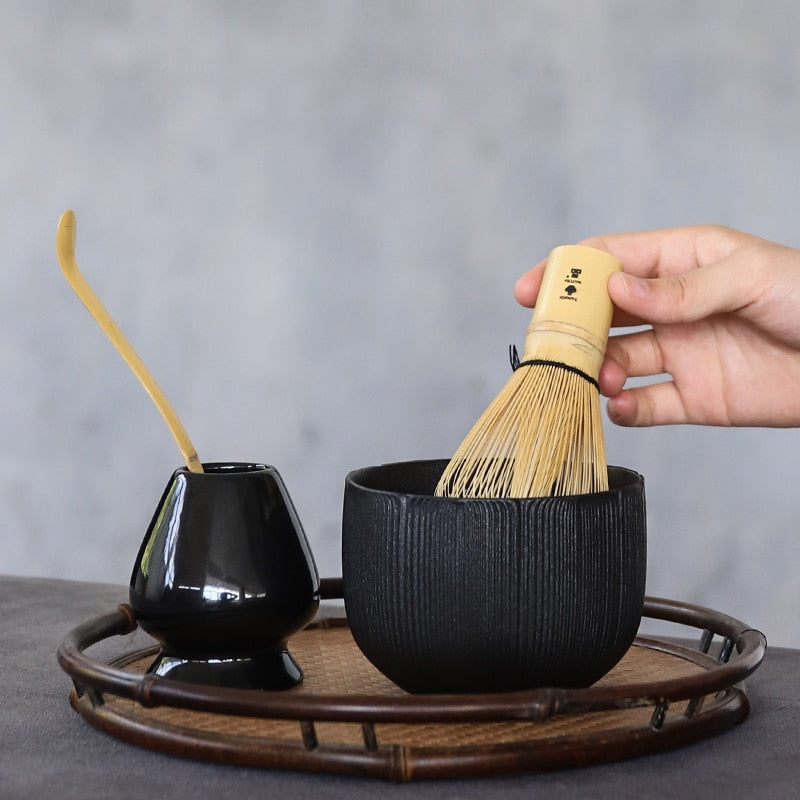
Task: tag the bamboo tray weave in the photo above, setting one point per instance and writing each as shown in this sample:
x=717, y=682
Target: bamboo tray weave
x=347, y=717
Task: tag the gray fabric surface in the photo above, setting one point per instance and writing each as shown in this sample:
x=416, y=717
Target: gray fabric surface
x=46, y=749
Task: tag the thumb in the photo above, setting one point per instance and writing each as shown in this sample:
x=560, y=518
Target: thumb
x=685, y=297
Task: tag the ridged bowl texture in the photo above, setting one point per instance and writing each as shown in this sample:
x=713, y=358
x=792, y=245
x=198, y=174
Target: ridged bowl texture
x=447, y=595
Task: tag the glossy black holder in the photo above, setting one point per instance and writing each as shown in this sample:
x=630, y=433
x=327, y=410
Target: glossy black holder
x=223, y=577
x=448, y=595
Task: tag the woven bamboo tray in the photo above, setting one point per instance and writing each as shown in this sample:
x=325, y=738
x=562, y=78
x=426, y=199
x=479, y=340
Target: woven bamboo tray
x=347, y=717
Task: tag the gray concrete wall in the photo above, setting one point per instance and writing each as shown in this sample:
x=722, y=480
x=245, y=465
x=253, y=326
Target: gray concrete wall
x=308, y=217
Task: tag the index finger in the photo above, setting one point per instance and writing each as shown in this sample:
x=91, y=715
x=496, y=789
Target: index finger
x=669, y=251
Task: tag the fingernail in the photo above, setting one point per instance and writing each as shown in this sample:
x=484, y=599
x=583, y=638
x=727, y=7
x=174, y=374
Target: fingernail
x=635, y=287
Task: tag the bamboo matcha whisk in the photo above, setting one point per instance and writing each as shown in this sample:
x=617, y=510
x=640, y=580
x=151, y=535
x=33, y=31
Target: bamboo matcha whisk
x=543, y=434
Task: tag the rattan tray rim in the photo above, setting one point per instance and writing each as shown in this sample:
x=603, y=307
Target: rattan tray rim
x=741, y=652
x=715, y=701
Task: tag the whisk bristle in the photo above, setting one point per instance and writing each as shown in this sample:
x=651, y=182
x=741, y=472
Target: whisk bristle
x=542, y=435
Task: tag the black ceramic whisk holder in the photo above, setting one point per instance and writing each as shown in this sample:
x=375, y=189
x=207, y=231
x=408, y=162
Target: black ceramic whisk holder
x=224, y=576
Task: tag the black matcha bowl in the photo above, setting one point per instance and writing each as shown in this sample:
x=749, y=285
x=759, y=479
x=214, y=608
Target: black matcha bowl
x=448, y=595
x=223, y=577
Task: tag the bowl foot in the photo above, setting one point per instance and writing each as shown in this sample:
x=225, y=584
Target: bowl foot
x=271, y=670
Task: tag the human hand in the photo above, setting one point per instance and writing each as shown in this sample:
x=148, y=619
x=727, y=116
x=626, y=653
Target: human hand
x=723, y=310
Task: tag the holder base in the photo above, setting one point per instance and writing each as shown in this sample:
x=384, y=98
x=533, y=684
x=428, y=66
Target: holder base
x=271, y=670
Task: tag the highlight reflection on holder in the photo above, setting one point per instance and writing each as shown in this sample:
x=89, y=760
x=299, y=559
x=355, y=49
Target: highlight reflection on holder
x=224, y=576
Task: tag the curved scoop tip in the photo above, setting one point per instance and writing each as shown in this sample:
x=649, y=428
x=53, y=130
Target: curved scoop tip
x=65, y=236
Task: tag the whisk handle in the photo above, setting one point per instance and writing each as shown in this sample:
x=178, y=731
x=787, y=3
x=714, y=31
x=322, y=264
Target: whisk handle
x=573, y=312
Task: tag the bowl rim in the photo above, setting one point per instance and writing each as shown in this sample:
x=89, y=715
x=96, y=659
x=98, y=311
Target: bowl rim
x=630, y=480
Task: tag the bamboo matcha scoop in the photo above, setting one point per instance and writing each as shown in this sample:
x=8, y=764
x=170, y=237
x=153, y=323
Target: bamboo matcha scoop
x=65, y=250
